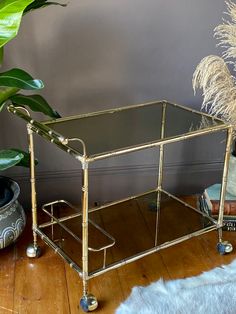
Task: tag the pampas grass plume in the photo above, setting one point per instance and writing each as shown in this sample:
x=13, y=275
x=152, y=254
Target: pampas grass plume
x=212, y=75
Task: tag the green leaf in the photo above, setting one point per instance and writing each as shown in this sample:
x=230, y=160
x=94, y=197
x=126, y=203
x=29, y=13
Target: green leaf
x=5, y=93
x=14, y=157
x=37, y=4
x=9, y=158
x=11, y=12
x=36, y=103
x=20, y=79
x=25, y=161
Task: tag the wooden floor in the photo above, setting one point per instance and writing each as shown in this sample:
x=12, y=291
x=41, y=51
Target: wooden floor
x=48, y=285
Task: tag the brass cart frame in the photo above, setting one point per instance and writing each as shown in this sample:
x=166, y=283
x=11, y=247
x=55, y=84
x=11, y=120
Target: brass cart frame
x=48, y=132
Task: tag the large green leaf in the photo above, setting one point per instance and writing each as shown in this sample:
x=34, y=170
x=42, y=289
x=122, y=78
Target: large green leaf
x=5, y=93
x=11, y=12
x=9, y=158
x=37, y=4
x=25, y=161
x=14, y=157
x=36, y=103
x=20, y=79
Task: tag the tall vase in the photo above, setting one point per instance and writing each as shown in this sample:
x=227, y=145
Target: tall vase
x=12, y=215
x=231, y=180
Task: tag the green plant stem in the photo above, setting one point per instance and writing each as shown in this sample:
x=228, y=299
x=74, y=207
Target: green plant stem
x=5, y=93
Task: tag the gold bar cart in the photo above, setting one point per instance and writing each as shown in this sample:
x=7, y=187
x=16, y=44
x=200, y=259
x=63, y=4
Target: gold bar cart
x=102, y=135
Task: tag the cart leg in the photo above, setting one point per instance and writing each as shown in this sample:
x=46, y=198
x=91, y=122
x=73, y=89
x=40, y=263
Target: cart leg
x=33, y=250
x=88, y=302
x=160, y=172
x=224, y=247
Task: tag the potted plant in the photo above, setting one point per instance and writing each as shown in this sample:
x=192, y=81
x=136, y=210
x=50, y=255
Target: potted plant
x=213, y=76
x=12, y=82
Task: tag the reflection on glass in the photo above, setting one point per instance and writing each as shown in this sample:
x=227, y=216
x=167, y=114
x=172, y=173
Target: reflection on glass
x=132, y=224
x=123, y=128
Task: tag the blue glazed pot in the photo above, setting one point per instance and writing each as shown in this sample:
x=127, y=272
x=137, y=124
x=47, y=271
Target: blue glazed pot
x=12, y=215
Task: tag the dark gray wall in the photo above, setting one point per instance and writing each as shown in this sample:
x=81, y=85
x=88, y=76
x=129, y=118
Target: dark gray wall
x=102, y=54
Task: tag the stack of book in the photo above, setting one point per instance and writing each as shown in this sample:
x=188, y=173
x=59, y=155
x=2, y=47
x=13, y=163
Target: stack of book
x=209, y=204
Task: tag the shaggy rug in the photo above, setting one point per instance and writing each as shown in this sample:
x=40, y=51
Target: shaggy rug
x=212, y=292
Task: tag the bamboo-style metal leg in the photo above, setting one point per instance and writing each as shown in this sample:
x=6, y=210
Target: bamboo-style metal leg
x=224, y=246
x=33, y=250
x=88, y=302
x=160, y=171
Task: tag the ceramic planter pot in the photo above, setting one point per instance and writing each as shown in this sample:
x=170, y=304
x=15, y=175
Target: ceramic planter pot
x=12, y=215
x=231, y=180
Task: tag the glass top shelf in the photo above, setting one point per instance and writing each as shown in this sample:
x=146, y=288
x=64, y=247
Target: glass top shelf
x=131, y=128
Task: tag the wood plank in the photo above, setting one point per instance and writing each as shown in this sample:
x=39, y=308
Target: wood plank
x=9, y=257
x=130, y=235
x=47, y=285
x=100, y=287
x=187, y=258
x=7, y=276
x=118, y=282
x=209, y=248
x=106, y=288
x=40, y=285
x=126, y=225
x=196, y=255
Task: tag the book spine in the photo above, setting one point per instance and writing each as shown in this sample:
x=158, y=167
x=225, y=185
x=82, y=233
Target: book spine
x=229, y=226
x=229, y=207
x=229, y=220
x=229, y=223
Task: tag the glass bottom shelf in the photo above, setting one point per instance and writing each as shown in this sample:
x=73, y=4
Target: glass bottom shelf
x=122, y=231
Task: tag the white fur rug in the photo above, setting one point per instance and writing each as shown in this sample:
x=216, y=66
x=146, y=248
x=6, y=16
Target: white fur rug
x=213, y=292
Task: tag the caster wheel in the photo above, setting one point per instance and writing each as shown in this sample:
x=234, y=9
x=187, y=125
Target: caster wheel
x=224, y=247
x=33, y=251
x=88, y=303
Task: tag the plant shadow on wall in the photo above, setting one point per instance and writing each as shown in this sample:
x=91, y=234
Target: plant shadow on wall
x=12, y=82
x=213, y=76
